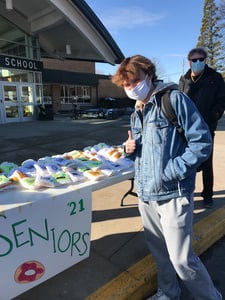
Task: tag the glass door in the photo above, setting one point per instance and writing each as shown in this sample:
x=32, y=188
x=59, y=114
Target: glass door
x=10, y=103
x=18, y=102
x=26, y=96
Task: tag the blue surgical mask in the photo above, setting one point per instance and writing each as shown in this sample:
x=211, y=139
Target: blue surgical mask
x=198, y=66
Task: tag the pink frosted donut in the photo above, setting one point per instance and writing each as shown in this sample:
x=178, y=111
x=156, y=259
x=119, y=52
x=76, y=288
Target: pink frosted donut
x=29, y=271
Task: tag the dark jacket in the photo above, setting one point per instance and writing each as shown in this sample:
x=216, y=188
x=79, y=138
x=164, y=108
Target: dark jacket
x=208, y=94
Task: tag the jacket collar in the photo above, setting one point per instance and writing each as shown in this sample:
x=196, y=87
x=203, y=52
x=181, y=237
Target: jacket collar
x=161, y=88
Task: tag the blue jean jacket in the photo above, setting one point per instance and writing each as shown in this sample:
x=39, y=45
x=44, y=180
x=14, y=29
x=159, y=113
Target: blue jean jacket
x=165, y=161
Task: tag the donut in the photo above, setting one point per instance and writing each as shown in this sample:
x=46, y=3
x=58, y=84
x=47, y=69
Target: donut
x=94, y=175
x=4, y=181
x=17, y=175
x=29, y=271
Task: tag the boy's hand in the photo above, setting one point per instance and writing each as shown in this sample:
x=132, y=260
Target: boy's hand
x=130, y=144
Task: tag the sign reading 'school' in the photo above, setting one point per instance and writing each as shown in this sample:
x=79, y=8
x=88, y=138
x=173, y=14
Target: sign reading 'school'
x=11, y=62
x=40, y=239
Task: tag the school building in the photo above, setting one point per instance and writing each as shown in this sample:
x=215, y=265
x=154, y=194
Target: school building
x=48, y=51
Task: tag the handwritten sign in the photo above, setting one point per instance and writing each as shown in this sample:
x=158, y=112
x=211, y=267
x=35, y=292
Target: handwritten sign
x=41, y=234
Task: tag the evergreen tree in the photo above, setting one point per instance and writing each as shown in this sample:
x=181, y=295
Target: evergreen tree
x=222, y=28
x=210, y=35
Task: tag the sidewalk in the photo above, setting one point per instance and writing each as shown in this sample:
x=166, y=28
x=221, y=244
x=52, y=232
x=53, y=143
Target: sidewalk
x=119, y=266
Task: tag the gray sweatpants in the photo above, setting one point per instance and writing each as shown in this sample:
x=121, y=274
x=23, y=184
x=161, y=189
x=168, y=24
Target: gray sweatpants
x=168, y=234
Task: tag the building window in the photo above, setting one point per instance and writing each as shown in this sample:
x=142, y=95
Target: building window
x=39, y=94
x=13, y=75
x=17, y=43
x=75, y=94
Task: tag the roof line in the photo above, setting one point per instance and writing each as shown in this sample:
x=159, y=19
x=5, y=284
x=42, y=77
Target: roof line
x=95, y=21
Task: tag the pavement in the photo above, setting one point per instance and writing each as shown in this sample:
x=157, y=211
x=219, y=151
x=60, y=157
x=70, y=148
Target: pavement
x=119, y=266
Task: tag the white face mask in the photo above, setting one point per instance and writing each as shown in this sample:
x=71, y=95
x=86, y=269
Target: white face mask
x=140, y=91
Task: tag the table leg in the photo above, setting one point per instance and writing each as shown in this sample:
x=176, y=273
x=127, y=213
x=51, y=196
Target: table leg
x=129, y=192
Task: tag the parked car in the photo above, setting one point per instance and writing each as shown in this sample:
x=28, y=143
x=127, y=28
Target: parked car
x=111, y=113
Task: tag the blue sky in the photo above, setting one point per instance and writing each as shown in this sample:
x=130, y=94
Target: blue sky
x=162, y=30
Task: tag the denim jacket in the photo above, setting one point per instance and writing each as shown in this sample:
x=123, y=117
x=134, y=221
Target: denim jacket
x=166, y=162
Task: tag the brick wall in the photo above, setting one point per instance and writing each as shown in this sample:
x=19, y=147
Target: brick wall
x=107, y=89
x=104, y=89
x=69, y=65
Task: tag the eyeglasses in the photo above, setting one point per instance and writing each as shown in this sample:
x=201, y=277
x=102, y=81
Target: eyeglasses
x=197, y=59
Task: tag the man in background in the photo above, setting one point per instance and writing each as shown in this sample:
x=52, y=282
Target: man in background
x=206, y=88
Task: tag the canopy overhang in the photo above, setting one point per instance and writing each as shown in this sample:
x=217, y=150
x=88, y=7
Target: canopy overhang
x=66, y=29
